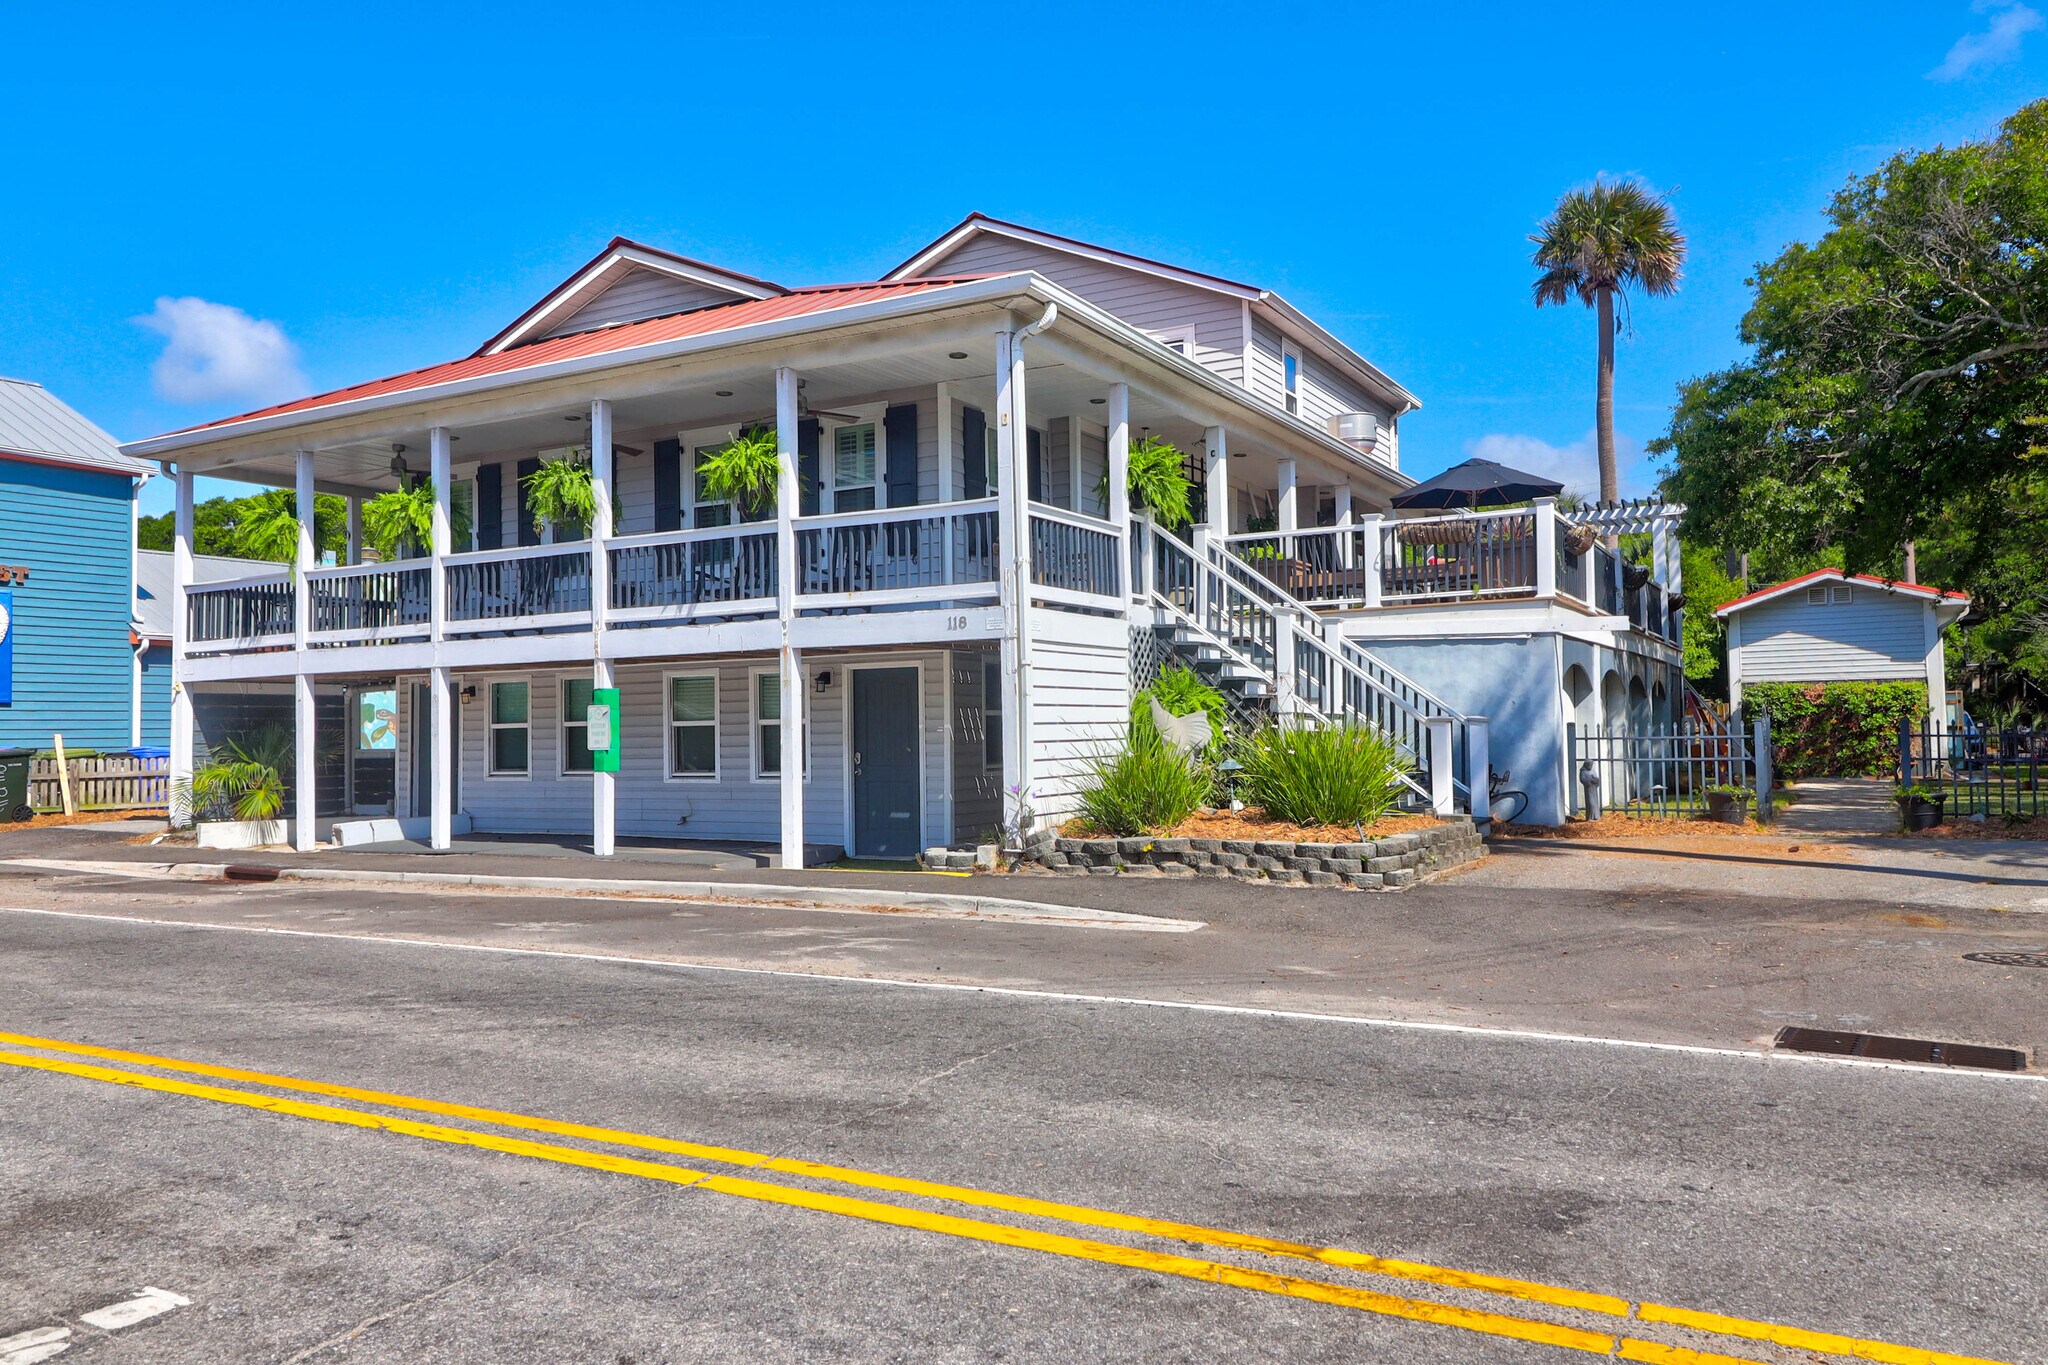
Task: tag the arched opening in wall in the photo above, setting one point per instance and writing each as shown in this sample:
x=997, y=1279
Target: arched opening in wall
x=1613, y=703
x=1578, y=699
x=1660, y=708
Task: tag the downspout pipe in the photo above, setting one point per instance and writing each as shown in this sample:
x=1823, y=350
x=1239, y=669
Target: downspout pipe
x=1020, y=553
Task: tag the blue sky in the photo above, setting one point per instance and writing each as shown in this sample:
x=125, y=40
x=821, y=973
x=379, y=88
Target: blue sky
x=385, y=186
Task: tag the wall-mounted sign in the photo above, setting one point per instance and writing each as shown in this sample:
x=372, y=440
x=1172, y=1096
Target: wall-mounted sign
x=6, y=649
x=602, y=727
x=13, y=573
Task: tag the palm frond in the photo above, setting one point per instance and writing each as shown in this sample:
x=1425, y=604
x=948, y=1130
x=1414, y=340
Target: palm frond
x=1618, y=236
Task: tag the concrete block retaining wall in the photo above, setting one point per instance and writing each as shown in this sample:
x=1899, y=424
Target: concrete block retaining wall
x=1397, y=861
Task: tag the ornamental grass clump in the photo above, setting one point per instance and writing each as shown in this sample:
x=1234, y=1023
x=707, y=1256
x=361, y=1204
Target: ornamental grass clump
x=1335, y=774
x=1148, y=787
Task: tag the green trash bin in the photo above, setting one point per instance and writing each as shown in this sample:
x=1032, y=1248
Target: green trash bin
x=14, y=784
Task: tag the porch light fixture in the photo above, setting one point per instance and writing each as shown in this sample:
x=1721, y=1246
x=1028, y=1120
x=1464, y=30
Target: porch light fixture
x=573, y=417
x=469, y=694
x=956, y=355
x=824, y=680
x=723, y=393
x=1098, y=402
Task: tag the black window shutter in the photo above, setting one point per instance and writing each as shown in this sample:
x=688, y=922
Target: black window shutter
x=490, y=507
x=1035, y=451
x=527, y=534
x=807, y=467
x=973, y=453
x=668, y=485
x=899, y=429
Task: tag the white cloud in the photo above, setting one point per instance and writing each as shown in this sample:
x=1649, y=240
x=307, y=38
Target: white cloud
x=2011, y=22
x=1576, y=466
x=218, y=352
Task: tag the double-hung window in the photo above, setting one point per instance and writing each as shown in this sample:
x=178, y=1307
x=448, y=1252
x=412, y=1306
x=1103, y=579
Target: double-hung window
x=693, y=726
x=853, y=468
x=576, y=757
x=768, y=728
x=511, y=730
x=1290, y=378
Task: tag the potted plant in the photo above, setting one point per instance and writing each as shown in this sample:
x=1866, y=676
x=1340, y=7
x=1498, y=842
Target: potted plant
x=1579, y=539
x=1920, y=805
x=1729, y=805
x=1157, y=480
x=744, y=472
x=562, y=493
x=399, y=523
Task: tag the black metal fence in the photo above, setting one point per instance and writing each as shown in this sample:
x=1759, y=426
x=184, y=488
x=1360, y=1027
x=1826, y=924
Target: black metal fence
x=1973, y=770
x=1670, y=770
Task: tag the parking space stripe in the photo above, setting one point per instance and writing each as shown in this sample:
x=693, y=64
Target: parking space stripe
x=1559, y=1296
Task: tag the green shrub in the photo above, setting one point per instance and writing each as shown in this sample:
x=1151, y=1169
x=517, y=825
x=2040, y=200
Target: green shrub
x=1841, y=729
x=1147, y=787
x=1182, y=691
x=1335, y=774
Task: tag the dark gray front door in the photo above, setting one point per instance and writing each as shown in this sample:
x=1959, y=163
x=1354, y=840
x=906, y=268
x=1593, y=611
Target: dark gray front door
x=885, y=785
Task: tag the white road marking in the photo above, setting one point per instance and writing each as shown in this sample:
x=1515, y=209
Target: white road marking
x=1767, y=1056
x=148, y=1304
x=37, y=1343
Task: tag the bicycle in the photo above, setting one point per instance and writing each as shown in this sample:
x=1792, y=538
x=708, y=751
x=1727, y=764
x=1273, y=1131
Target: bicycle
x=1497, y=790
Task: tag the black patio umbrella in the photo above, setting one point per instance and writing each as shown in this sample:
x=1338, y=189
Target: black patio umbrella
x=1478, y=483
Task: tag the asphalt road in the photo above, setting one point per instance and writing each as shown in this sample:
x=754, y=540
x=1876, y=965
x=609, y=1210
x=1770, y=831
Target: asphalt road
x=1905, y=1206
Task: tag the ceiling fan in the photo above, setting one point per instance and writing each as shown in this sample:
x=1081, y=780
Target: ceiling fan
x=804, y=409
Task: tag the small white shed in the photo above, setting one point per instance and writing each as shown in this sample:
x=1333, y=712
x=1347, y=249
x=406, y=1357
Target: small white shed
x=1828, y=626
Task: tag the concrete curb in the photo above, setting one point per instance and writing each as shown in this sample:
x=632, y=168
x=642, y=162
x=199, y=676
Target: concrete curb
x=940, y=904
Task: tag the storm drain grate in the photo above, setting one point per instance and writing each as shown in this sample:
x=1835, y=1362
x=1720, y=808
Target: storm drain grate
x=249, y=872
x=2009, y=959
x=1881, y=1048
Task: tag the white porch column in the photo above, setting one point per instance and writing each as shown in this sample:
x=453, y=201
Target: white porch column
x=1290, y=497
x=303, y=725
x=945, y=448
x=441, y=805
x=1374, y=524
x=1015, y=519
x=1546, y=547
x=603, y=785
x=790, y=663
x=355, y=528
x=1442, y=795
x=1119, y=505
x=181, y=698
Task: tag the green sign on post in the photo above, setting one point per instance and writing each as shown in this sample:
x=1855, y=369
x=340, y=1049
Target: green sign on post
x=604, y=729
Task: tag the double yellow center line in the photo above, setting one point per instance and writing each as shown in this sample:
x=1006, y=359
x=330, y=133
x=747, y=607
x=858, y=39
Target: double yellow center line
x=1052, y=1243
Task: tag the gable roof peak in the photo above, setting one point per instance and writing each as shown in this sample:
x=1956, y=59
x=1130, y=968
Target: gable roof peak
x=620, y=257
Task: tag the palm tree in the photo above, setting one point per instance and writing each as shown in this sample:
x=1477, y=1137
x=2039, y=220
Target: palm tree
x=1598, y=243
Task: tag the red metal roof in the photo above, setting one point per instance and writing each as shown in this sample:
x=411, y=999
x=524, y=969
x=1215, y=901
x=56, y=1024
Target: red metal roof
x=625, y=336
x=1836, y=575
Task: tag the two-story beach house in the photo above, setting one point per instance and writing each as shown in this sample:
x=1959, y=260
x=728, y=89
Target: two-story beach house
x=942, y=617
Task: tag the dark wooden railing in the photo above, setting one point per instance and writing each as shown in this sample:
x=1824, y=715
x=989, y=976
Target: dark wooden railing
x=1073, y=556
x=541, y=582
x=240, y=610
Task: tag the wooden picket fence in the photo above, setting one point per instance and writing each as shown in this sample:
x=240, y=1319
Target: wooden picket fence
x=101, y=782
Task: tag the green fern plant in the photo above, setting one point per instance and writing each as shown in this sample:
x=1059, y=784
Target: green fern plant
x=744, y=471
x=1156, y=480
x=561, y=492
x=400, y=522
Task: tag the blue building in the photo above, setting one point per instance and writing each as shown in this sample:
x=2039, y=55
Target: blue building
x=70, y=651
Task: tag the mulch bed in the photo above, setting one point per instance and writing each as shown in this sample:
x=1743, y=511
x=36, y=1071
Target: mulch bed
x=1992, y=827
x=92, y=817
x=1252, y=824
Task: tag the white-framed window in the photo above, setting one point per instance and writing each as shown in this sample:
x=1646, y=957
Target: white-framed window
x=1180, y=342
x=855, y=468
x=1290, y=378
x=1835, y=593
x=511, y=729
x=693, y=726
x=575, y=726
x=1839, y=594
x=767, y=726
x=995, y=466
x=462, y=513
x=992, y=713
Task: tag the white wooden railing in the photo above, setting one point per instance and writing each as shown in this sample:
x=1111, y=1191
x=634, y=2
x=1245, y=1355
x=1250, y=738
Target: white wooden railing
x=527, y=588
x=1072, y=554
x=925, y=553
x=729, y=569
x=365, y=603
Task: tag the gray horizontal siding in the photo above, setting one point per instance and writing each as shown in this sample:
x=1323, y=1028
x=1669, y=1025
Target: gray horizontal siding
x=641, y=294
x=1148, y=302
x=1080, y=704
x=1874, y=636
x=652, y=805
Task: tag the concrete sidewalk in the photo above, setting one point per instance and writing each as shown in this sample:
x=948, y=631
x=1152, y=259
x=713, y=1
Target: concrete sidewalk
x=1854, y=806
